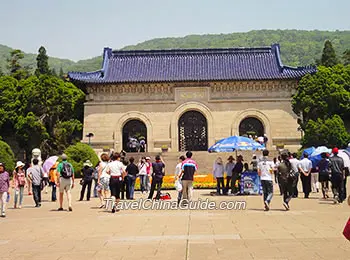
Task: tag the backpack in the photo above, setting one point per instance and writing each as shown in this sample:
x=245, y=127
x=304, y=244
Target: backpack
x=67, y=170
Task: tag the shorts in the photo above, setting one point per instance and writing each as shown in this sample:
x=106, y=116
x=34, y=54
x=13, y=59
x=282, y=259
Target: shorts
x=65, y=184
x=323, y=176
x=104, y=181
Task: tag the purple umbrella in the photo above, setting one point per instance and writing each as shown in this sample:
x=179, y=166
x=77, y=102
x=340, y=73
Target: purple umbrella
x=49, y=163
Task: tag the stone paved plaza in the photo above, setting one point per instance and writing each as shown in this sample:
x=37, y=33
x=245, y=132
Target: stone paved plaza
x=311, y=230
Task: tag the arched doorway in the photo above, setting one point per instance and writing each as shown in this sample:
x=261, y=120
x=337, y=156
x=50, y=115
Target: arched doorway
x=193, y=132
x=135, y=136
x=251, y=126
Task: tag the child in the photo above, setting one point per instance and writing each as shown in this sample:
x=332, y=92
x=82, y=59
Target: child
x=4, y=189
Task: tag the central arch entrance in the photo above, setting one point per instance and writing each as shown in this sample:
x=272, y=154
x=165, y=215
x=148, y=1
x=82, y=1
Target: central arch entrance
x=251, y=126
x=134, y=136
x=193, y=132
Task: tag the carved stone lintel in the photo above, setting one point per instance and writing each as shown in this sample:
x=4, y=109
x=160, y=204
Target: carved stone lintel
x=252, y=89
x=132, y=92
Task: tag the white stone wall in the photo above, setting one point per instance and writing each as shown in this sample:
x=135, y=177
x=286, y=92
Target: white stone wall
x=159, y=106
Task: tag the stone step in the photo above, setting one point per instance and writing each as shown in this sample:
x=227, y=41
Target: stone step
x=204, y=159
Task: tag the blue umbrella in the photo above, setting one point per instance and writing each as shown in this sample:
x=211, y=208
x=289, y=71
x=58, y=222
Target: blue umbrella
x=315, y=160
x=309, y=151
x=234, y=143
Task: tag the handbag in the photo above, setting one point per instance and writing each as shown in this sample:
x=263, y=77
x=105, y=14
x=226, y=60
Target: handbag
x=346, y=231
x=178, y=185
x=81, y=182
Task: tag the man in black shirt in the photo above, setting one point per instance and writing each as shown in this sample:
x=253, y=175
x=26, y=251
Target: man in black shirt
x=157, y=177
x=87, y=173
x=132, y=170
x=236, y=174
x=337, y=175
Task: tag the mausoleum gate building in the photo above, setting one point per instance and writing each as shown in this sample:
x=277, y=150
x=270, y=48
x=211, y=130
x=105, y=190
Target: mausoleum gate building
x=189, y=99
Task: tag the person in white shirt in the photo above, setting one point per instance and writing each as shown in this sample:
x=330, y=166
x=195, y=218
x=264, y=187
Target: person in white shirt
x=116, y=170
x=178, y=175
x=103, y=180
x=265, y=170
x=143, y=174
x=228, y=169
x=305, y=166
x=295, y=164
x=218, y=172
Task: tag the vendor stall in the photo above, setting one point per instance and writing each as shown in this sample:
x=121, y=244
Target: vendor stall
x=250, y=184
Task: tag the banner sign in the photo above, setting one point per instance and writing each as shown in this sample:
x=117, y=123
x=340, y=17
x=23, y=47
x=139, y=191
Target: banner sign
x=250, y=183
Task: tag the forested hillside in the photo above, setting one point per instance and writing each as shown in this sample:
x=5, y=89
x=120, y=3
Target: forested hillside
x=297, y=47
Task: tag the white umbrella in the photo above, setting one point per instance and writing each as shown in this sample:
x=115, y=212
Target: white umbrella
x=319, y=150
x=345, y=157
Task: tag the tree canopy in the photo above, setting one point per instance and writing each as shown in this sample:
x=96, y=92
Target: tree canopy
x=324, y=98
x=328, y=58
x=41, y=110
x=6, y=156
x=42, y=62
x=330, y=132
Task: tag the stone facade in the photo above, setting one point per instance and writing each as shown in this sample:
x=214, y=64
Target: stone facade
x=159, y=106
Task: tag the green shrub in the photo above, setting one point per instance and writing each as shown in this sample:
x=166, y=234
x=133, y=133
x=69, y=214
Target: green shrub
x=78, y=154
x=7, y=157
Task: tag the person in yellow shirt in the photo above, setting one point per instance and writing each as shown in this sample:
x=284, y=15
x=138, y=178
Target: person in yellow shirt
x=53, y=181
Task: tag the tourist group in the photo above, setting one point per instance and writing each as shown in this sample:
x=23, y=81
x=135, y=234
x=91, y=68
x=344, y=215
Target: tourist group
x=114, y=177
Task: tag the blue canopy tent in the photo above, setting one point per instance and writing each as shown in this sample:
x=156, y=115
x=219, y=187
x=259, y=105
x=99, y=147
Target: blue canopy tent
x=309, y=151
x=315, y=154
x=235, y=143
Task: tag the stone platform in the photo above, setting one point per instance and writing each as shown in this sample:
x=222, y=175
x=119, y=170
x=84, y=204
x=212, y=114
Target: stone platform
x=204, y=160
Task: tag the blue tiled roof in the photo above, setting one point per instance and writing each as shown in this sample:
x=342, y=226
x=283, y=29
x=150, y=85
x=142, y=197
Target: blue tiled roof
x=262, y=63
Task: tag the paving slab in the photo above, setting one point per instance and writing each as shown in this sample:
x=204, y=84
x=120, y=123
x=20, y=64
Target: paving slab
x=311, y=230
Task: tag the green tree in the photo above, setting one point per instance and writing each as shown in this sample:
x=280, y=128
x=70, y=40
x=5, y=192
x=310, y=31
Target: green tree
x=30, y=132
x=66, y=133
x=44, y=112
x=6, y=156
x=9, y=100
x=42, y=62
x=322, y=95
x=330, y=132
x=58, y=105
x=346, y=57
x=328, y=58
x=53, y=72
x=14, y=66
x=78, y=154
x=61, y=74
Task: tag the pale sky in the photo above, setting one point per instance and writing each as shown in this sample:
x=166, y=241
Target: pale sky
x=79, y=29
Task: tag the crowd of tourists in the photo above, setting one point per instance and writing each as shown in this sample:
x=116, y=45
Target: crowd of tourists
x=114, y=178
x=286, y=170
x=60, y=175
